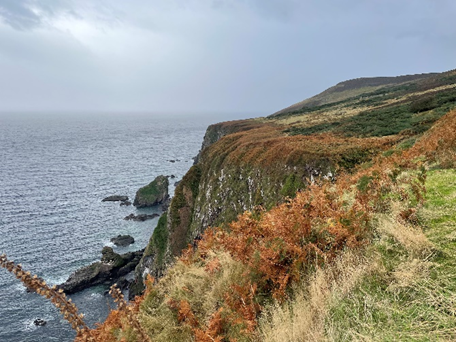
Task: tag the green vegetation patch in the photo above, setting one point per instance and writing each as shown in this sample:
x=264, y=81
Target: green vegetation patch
x=292, y=184
x=153, y=193
x=191, y=180
x=408, y=297
x=413, y=117
x=159, y=240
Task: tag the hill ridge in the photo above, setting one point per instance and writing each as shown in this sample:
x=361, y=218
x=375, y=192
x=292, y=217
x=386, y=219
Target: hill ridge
x=358, y=85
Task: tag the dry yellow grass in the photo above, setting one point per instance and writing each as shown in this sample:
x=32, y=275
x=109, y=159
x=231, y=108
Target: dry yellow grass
x=303, y=318
x=193, y=283
x=411, y=238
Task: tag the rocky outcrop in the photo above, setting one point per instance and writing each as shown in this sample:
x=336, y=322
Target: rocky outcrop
x=141, y=217
x=115, y=198
x=123, y=240
x=108, y=271
x=152, y=194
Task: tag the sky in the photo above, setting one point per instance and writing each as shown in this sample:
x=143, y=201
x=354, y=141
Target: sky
x=203, y=56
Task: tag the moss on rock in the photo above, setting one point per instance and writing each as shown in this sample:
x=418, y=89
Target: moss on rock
x=152, y=194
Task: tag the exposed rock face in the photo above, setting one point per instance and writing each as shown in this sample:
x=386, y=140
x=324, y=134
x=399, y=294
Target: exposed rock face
x=152, y=194
x=123, y=240
x=153, y=261
x=115, y=198
x=107, y=271
x=141, y=217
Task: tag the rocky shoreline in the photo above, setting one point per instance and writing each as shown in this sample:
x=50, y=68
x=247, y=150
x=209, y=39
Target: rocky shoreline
x=113, y=267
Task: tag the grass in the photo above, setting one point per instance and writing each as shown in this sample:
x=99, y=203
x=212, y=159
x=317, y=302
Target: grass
x=192, y=284
x=159, y=241
x=409, y=293
x=400, y=288
x=387, y=111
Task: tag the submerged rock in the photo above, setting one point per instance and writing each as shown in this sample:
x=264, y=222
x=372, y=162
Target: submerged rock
x=141, y=217
x=126, y=203
x=39, y=322
x=115, y=198
x=108, y=271
x=152, y=194
x=123, y=240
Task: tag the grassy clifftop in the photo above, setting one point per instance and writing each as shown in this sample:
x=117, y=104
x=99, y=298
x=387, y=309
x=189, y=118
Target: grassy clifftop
x=361, y=87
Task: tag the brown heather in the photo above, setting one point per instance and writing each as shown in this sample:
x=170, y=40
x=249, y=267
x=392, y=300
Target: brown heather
x=439, y=143
x=266, y=146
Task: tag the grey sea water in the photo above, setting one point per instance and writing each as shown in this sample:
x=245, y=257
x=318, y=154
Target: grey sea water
x=54, y=171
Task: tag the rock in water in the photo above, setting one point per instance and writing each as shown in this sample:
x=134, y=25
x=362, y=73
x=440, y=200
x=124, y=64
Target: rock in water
x=123, y=240
x=105, y=272
x=115, y=198
x=140, y=217
x=39, y=322
x=152, y=194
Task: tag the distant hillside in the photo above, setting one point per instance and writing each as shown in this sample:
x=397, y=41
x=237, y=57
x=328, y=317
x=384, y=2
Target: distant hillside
x=352, y=88
x=373, y=107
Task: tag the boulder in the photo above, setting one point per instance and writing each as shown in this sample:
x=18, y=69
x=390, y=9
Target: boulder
x=39, y=322
x=126, y=203
x=140, y=217
x=123, y=240
x=115, y=198
x=108, y=271
x=152, y=194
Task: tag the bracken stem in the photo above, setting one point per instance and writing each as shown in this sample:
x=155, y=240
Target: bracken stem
x=56, y=297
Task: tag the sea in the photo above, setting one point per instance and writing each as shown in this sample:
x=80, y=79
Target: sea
x=55, y=169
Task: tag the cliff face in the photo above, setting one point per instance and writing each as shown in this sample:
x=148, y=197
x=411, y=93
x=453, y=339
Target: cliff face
x=242, y=165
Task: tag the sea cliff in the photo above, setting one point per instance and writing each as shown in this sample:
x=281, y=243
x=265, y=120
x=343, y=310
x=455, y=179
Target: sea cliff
x=259, y=163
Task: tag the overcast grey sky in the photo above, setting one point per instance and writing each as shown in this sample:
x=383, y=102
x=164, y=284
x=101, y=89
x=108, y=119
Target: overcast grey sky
x=240, y=56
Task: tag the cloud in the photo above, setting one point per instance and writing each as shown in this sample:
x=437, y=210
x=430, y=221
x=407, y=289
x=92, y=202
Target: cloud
x=26, y=15
x=19, y=15
x=208, y=55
